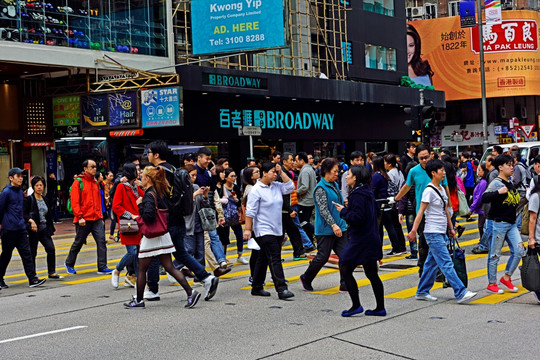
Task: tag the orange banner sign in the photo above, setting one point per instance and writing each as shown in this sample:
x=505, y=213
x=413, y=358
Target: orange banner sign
x=512, y=61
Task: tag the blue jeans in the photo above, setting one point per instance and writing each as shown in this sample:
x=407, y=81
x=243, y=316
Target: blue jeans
x=485, y=240
x=305, y=239
x=439, y=258
x=178, y=234
x=502, y=230
x=217, y=247
x=195, y=246
x=409, y=220
x=129, y=257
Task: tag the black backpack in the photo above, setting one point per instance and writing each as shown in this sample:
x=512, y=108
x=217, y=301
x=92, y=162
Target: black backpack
x=181, y=194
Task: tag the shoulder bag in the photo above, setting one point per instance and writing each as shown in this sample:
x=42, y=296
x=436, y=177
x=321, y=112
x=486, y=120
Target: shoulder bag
x=128, y=227
x=158, y=227
x=530, y=270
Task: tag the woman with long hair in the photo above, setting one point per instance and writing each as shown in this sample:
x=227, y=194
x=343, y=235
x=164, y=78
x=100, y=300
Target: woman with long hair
x=476, y=206
x=364, y=246
x=38, y=216
x=419, y=70
x=229, y=191
x=389, y=218
x=125, y=206
x=157, y=190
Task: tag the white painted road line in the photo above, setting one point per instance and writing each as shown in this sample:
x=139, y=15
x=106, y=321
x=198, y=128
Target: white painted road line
x=41, y=334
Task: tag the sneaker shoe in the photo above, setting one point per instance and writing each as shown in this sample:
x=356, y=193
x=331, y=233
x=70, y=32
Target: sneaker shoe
x=509, y=285
x=307, y=286
x=300, y=257
x=392, y=253
x=242, y=260
x=259, y=292
x=55, y=276
x=134, y=304
x=285, y=294
x=468, y=296
x=70, y=270
x=459, y=230
x=210, y=286
x=477, y=250
x=115, y=278
x=193, y=299
x=36, y=282
x=105, y=271
x=411, y=257
x=3, y=284
x=427, y=297
x=310, y=249
x=151, y=296
x=494, y=289
x=343, y=289
x=130, y=280
x=537, y=294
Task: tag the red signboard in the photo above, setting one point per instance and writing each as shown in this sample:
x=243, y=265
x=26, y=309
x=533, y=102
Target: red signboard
x=510, y=36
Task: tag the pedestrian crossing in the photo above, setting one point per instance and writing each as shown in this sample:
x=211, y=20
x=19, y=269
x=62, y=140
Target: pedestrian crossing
x=398, y=276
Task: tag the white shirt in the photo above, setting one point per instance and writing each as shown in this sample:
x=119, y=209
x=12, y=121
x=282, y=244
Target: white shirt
x=435, y=215
x=264, y=206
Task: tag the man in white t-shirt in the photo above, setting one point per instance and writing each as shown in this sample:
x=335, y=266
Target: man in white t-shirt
x=438, y=220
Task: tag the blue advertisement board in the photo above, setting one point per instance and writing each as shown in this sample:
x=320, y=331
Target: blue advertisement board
x=123, y=109
x=94, y=111
x=236, y=25
x=162, y=107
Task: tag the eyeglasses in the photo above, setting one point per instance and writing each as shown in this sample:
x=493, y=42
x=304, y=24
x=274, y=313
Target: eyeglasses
x=423, y=157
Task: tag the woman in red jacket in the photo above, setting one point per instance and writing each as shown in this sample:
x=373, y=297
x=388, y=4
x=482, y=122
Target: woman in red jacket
x=125, y=207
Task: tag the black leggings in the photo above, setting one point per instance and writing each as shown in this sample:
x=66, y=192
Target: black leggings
x=371, y=271
x=166, y=262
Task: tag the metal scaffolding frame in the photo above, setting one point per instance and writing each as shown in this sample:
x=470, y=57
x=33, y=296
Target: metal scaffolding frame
x=317, y=33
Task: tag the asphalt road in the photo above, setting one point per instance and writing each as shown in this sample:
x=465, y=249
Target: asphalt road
x=82, y=317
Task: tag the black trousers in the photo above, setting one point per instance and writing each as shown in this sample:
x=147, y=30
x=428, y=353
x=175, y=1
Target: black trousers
x=47, y=242
x=97, y=228
x=304, y=215
x=269, y=255
x=325, y=245
x=294, y=234
x=16, y=239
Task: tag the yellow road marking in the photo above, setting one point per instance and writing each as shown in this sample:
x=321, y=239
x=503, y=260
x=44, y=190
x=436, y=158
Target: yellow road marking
x=492, y=299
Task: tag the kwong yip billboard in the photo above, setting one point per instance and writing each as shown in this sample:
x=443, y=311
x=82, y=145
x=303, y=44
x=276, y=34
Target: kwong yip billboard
x=236, y=25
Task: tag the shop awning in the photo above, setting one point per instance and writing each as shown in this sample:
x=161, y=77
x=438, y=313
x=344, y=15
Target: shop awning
x=184, y=149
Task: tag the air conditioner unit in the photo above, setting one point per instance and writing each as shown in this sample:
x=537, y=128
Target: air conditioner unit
x=417, y=12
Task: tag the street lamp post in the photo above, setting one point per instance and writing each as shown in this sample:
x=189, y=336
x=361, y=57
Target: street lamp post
x=482, y=75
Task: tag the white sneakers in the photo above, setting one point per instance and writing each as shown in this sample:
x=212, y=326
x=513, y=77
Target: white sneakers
x=242, y=260
x=150, y=296
x=468, y=296
x=115, y=278
x=427, y=297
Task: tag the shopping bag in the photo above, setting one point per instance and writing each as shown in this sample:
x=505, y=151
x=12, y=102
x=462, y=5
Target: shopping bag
x=458, y=258
x=530, y=270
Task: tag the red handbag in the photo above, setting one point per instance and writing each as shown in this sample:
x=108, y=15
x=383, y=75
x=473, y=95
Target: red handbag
x=158, y=227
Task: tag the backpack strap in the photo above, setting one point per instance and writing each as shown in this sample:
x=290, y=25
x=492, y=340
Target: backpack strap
x=438, y=193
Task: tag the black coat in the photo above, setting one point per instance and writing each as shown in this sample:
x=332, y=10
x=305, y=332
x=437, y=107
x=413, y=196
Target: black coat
x=364, y=245
x=31, y=211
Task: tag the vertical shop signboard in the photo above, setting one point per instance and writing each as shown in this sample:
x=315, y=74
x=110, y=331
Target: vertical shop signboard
x=123, y=110
x=66, y=116
x=94, y=111
x=162, y=107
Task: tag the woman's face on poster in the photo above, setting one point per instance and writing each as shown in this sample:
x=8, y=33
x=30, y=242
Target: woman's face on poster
x=410, y=48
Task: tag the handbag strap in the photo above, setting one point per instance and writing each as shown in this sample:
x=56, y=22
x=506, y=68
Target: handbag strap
x=438, y=193
x=155, y=198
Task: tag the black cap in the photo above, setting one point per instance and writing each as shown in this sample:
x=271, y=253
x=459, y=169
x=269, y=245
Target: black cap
x=14, y=171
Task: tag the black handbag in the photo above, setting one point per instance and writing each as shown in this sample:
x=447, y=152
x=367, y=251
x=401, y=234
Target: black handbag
x=128, y=226
x=530, y=270
x=458, y=258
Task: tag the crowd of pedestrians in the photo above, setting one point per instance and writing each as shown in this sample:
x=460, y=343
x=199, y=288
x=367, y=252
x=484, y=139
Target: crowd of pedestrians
x=187, y=214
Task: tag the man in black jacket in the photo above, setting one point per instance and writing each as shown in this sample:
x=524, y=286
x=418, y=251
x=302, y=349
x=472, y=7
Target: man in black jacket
x=13, y=229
